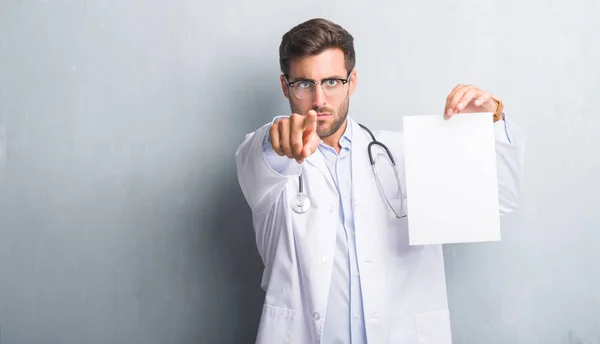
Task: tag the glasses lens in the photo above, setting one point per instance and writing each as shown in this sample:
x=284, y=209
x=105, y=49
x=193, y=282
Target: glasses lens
x=306, y=89
x=332, y=88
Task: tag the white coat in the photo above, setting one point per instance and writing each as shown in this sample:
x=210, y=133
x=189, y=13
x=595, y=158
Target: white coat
x=404, y=287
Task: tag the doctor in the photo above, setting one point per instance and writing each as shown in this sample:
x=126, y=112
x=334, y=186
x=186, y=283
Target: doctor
x=343, y=271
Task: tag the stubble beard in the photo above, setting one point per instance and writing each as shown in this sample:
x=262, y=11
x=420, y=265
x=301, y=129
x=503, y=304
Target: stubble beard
x=339, y=117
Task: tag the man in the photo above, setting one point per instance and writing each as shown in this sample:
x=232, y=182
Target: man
x=340, y=269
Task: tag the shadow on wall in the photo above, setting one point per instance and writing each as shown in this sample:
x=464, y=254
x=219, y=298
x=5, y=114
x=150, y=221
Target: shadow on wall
x=235, y=243
x=233, y=231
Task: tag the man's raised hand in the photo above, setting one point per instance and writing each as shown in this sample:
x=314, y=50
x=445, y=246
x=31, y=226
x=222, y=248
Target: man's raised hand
x=296, y=136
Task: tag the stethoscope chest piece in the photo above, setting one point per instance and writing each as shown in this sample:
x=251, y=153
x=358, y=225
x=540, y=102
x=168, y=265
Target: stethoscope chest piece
x=300, y=203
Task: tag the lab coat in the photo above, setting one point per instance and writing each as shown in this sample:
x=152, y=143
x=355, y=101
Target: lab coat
x=404, y=287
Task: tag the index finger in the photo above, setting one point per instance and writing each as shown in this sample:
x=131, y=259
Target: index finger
x=453, y=99
x=310, y=123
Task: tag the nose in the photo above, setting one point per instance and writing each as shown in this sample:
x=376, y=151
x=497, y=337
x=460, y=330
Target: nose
x=319, y=96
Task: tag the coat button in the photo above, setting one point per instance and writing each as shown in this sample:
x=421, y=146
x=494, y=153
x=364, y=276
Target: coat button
x=316, y=316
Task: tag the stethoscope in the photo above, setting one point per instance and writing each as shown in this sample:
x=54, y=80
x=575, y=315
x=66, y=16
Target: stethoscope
x=302, y=203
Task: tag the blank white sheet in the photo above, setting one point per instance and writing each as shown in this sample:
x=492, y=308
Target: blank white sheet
x=451, y=179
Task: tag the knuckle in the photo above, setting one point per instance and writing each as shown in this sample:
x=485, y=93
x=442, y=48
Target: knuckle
x=282, y=130
x=297, y=147
x=277, y=149
x=290, y=154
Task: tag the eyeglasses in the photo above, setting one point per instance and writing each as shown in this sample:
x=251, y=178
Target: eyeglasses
x=305, y=88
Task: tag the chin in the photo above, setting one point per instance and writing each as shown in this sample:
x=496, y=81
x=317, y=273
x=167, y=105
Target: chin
x=325, y=131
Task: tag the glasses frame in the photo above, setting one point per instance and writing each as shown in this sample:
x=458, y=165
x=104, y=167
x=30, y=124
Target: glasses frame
x=315, y=83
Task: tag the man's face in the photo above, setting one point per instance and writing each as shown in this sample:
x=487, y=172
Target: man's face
x=331, y=107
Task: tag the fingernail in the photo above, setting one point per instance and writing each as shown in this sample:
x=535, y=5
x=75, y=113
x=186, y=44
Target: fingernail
x=460, y=106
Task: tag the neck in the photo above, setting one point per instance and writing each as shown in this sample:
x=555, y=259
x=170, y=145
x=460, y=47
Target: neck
x=333, y=140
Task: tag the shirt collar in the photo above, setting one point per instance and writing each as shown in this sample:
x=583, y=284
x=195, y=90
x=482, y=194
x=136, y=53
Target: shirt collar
x=346, y=138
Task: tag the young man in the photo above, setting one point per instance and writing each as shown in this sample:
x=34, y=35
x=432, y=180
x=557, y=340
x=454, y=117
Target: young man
x=338, y=267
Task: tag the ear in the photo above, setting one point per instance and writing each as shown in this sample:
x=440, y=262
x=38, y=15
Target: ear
x=284, y=86
x=352, y=81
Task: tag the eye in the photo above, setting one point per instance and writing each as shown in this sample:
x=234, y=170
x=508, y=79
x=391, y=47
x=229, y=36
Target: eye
x=304, y=84
x=331, y=83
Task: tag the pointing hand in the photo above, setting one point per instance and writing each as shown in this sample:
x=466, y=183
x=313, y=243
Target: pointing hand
x=296, y=136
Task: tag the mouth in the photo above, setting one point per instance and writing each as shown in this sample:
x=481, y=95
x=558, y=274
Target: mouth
x=323, y=114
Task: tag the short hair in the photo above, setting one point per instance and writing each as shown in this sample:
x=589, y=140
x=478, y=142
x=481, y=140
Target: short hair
x=313, y=37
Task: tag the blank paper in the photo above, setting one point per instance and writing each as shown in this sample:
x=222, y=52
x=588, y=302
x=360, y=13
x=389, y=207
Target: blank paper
x=451, y=179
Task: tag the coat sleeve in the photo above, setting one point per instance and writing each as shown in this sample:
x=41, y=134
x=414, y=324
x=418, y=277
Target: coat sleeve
x=262, y=174
x=510, y=152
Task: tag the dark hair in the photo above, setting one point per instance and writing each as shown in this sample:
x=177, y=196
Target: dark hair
x=311, y=38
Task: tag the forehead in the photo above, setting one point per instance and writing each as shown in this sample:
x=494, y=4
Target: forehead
x=328, y=63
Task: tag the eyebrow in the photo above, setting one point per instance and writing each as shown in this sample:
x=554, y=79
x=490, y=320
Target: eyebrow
x=327, y=78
